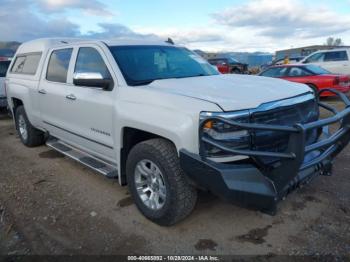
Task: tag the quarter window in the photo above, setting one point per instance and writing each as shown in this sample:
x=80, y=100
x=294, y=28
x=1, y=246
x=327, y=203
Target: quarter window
x=57, y=69
x=26, y=64
x=89, y=60
x=336, y=56
x=298, y=71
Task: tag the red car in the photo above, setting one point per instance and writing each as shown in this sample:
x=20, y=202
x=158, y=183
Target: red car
x=314, y=76
x=229, y=65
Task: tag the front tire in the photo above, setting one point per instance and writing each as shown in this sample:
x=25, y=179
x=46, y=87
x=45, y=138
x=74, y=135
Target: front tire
x=29, y=135
x=158, y=184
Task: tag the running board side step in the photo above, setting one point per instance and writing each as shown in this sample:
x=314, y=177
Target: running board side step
x=107, y=169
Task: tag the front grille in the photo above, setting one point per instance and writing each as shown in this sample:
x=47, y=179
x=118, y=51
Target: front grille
x=298, y=113
x=274, y=141
x=288, y=112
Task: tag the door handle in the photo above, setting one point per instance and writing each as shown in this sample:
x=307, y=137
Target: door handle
x=71, y=97
x=42, y=91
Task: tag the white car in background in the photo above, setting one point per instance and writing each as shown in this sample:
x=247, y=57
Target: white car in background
x=3, y=69
x=336, y=61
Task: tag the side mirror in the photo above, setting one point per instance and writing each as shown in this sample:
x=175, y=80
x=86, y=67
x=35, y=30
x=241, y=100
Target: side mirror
x=92, y=80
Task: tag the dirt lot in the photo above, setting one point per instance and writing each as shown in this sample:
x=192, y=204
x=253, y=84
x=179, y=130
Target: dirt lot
x=52, y=205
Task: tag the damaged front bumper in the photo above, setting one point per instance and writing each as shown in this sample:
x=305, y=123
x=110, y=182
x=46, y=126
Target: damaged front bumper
x=261, y=187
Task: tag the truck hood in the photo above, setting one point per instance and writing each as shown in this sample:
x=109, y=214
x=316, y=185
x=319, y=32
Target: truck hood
x=231, y=92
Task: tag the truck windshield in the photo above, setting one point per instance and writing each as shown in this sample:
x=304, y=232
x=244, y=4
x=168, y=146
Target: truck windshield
x=141, y=65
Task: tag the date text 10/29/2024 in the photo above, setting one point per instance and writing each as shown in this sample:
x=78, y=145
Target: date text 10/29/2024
x=173, y=258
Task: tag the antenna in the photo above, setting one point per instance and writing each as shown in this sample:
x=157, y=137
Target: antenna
x=170, y=41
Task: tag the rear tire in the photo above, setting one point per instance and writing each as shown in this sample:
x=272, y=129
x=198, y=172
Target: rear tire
x=29, y=135
x=157, y=160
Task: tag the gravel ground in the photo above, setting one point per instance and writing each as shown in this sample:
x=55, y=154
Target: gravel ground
x=52, y=205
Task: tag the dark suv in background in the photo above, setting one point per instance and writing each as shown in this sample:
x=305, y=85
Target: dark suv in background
x=229, y=65
x=3, y=69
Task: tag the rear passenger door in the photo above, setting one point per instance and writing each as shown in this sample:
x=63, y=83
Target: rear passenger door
x=90, y=110
x=52, y=91
x=337, y=62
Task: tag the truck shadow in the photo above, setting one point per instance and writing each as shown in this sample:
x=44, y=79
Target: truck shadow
x=4, y=115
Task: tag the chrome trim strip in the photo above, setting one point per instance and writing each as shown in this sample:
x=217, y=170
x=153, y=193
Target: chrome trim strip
x=263, y=107
x=284, y=103
x=86, y=138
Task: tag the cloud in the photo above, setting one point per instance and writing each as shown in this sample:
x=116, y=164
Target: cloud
x=28, y=25
x=262, y=25
x=195, y=37
x=284, y=18
x=17, y=22
x=113, y=30
x=93, y=7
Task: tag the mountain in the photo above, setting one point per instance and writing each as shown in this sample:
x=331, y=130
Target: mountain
x=252, y=59
x=8, y=49
x=9, y=45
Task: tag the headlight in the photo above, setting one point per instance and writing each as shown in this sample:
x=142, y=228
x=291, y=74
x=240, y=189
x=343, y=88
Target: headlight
x=228, y=135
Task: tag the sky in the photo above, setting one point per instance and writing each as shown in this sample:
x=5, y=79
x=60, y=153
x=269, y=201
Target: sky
x=221, y=25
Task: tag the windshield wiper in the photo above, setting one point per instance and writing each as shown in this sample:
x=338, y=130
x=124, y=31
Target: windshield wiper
x=141, y=82
x=149, y=81
x=197, y=75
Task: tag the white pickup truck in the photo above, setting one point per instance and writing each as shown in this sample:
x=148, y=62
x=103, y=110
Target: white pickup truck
x=162, y=120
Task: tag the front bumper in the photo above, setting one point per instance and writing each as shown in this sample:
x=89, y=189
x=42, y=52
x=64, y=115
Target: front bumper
x=262, y=187
x=3, y=101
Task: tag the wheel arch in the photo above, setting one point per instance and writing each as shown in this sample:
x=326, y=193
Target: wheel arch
x=130, y=138
x=313, y=86
x=15, y=103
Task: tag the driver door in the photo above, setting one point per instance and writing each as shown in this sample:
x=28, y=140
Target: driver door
x=90, y=110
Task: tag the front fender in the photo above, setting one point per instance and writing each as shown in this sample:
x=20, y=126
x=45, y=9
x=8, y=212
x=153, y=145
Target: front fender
x=174, y=117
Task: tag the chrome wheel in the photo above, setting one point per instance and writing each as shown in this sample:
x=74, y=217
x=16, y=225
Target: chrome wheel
x=150, y=184
x=22, y=126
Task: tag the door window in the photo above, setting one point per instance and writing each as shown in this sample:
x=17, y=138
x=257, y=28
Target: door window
x=336, y=56
x=315, y=58
x=57, y=69
x=275, y=72
x=89, y=60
